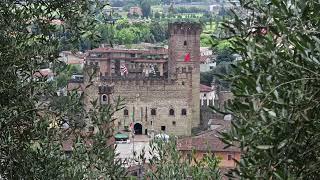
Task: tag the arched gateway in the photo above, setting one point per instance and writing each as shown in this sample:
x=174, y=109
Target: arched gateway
x=137, y=129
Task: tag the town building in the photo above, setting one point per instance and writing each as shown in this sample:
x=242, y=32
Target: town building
x=160, y=86
x=44, y=73
x=209, y=143
x=206, y=60
x=136, y=10
x=69, y=57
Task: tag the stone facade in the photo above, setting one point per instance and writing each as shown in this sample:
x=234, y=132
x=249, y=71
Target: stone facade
x=166, y=99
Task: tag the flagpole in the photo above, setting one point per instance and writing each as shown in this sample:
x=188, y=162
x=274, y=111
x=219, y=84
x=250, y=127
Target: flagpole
x=132, y=131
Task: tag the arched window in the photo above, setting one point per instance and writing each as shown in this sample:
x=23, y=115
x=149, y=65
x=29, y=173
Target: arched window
x=125, y=112
x=171, y=112
x=153, y=112
x=104, y=99
x=182, y=83
x=185, y=43
x=184, y=112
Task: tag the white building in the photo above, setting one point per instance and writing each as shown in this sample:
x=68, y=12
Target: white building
x=207, y=95
x=206, y=62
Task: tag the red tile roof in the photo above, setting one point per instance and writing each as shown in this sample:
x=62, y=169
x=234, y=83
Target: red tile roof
x=204, y=88
x=76, y=86
x=76, y=54
x=208, y=141
x=80, y=61
x=213, y=144
x=43, y=73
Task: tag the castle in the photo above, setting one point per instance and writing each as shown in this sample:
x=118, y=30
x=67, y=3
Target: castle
x=160, y=86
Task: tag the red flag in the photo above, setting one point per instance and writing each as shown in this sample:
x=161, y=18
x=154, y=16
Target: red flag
x=187, y=58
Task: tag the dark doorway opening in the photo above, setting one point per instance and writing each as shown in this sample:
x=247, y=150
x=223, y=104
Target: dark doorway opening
x=146, y=131
x=138, y=128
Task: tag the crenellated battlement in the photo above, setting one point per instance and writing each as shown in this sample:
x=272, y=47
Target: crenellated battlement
x=143, y=81
x=185, y=28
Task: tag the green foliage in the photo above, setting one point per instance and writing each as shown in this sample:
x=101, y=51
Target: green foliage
x=62, y=80
x=146, y=8
x=64, y=73
x=206, y=78
x=190, y=10
x=30, y=110
x=222, y=46
x=125, y=36
x=168, y=163
x=159, y=31
x=205, y=40
x=122, y=24
x=276, y=88
x=216, y=75
x=225, y=55
x=157, y=15
x=140, y=32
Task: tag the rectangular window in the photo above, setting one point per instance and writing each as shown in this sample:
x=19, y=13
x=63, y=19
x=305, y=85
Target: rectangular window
x=125, y=112
x=153, y=112
x=173, y=123
x=229, y=157
x=163, y=128
x=68, y=154
x=184, y=70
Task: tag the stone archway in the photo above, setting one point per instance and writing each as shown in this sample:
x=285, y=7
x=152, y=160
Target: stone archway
x=137, y=129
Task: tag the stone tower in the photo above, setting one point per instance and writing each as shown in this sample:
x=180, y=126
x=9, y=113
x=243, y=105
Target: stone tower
x=184, y=41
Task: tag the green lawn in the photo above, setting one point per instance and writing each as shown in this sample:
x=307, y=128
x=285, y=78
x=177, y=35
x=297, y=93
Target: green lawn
x=157, y=8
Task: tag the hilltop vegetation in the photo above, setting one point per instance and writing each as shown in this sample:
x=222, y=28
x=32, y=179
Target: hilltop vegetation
x=118, y=26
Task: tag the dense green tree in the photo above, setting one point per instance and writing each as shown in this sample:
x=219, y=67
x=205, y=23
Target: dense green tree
x=157, y=15
x=30, y=145
x=122, y=23
x=125, y=36
x=225, y=55
x=159, y=31
x=276, y=88
x=216, y=75
x=163, y=16
x=146, y=8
